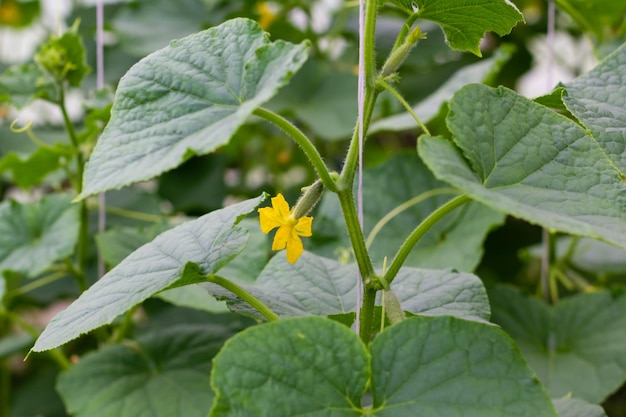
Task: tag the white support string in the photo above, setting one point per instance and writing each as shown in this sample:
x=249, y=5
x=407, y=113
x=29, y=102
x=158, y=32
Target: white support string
x=359, y=198
x=100, y=86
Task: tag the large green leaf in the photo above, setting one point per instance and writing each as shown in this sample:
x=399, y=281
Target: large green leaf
x=480, y=72
x=454, y=242
x=426, y=366
x=188, y=98
x=598, y=100
x=320, y=286
x=181, y=255
x=577, y=347
x=466, y=21
x=35, y=235
x=162, y=374
x=530, y=162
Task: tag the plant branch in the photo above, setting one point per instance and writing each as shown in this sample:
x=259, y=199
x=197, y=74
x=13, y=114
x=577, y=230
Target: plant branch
x=303, y=141
x=257, y=304
x=420, y=231
x=402, y=101
x=367, y=314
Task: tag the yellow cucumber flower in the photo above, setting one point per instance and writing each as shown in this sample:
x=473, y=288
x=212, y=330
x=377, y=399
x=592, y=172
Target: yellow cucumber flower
x=289, y=227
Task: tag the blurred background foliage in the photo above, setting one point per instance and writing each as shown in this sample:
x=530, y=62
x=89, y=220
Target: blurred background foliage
x=321, y=100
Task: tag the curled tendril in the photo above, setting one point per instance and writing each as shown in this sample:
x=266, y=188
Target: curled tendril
x=25, y=128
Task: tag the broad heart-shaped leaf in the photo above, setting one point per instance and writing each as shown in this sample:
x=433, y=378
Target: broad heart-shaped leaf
x=480, y=72
x=574, y=407
x=35, y=235
x=162, y=374
x=530, y=162
x=322, y=287
x=466, y=21
x=181, y=255
x=423, y=366
x=454, y=242
x=188, y=98
x=577, y=347
x=598, y=100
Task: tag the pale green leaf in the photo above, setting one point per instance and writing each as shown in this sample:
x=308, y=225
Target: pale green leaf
x=577, y=347
x=465, y=21
x=315, y=367
x=21, y=84
x=454, y=242
x=574, y=407
x=35, y=235
x=530, y=162
x=30, y=171
x=601, y=17
x=430, y=107
x=598, y=100
x=188, y=98
x=322, y=287
x=162, y=374
x=179, y=256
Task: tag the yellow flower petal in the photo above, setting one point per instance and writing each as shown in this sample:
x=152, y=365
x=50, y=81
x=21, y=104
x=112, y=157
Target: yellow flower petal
x=281, y=239
x=294, y=248
x=281, y=206
x=269, y=219
x=303, y=228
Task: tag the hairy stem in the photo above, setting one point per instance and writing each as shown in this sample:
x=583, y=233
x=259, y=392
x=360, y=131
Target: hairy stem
x=356, y=235
x=303, y=141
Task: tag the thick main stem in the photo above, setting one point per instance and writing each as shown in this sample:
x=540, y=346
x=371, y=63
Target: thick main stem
x=366, y=325
x=346, y=199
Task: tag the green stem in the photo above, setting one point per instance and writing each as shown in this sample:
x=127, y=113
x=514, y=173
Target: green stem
x=136, y=215
x=83, y=233
x=356, y=235
x=402, y=207
x=303, y=141
x=33, y=285
x=402, y=101
x=404, y=32
x=257, y=304
x=420, y=231
x=367, y=314
x=78, y=274
x=352, y=159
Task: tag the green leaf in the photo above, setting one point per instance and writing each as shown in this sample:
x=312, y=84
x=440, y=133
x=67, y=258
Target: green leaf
x=480, y=72
x=455, y=242
x=179, y=256
x=444, y=366
x=64, y=57
x=32, y=170
x=322, y=287
x=188, y=98
x=307, y=366
x=530, y=162
x=574, y=407
x=35, y=235
x=598, y=100
x=162, y=374
x=577, y=347
x=466, y=21
x=117, y=243
x=23, y=83
x=316, y=367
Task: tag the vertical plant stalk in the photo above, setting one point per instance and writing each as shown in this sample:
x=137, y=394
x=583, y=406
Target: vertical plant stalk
x=100, y=85
x=83, y=233
x=545, y=234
